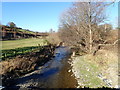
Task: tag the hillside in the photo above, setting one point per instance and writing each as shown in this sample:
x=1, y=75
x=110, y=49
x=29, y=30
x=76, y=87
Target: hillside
x=11, y=33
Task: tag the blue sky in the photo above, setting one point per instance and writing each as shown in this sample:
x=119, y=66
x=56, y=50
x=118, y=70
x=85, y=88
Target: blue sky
x=41, y=16
x=112, y=13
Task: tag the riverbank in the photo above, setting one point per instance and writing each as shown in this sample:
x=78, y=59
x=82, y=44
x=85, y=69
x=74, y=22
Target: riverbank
x=96, y=71
x=56, y=73
x=24, y=64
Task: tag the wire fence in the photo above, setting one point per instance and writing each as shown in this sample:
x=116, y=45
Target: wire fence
x=18, y=51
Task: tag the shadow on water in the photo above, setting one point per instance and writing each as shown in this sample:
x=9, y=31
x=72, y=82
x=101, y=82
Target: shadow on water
x=38, y=75
x=50, y=72
x=54, y=73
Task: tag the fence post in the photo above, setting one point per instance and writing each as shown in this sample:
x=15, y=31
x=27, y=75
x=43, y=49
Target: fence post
x=39, y=46
x=15, y=52
x=4, y=55
x=22, y=51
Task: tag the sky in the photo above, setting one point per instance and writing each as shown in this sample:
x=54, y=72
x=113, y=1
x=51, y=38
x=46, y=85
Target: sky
x=42, y=16
x=112, y=14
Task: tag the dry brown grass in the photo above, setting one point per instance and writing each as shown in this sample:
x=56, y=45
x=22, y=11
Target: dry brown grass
x=53, y=38
x=107, y=61
x=112, y=36
x=20, y=64
x=25, y=63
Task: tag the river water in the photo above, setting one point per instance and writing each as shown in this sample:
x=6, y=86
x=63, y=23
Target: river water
x=54, y=74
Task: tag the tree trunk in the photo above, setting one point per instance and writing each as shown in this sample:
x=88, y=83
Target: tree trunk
x=90, y=29
x=14, y=33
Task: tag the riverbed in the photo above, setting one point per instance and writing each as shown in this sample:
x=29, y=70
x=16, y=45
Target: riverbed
x=56, y=73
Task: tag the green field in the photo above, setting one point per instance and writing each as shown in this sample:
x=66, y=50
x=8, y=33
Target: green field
x=12, y=44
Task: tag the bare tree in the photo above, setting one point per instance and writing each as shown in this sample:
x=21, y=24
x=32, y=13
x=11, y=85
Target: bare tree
x=81, y=23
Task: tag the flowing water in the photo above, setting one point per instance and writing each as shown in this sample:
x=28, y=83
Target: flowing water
x=54, y=74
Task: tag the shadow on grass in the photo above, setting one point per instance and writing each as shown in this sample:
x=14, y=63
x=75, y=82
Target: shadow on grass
x=10, y=53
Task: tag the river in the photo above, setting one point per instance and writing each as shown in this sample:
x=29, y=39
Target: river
x=56, y=73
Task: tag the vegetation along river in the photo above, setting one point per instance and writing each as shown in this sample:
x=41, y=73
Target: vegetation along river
x=54, y=74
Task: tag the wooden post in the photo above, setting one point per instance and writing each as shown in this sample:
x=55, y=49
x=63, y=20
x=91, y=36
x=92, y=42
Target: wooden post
x=73, y=54
x=22, y=51
x=5, y=55
x=15, y=52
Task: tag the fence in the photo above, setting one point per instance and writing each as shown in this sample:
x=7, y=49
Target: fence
x=19, y=51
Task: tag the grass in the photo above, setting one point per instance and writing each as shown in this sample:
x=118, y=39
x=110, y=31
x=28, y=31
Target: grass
x=87, y=68
x=12, y=44
x=87, y=73
x=10, y=53
x=25, y=31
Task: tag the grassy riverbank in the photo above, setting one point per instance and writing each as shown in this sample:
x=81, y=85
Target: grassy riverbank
x=23, y=56
x=86, y=73
x=23, y=64
x=96, y=71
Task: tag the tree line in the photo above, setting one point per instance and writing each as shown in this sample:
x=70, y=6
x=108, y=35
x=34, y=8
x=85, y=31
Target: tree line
x=83, y=25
